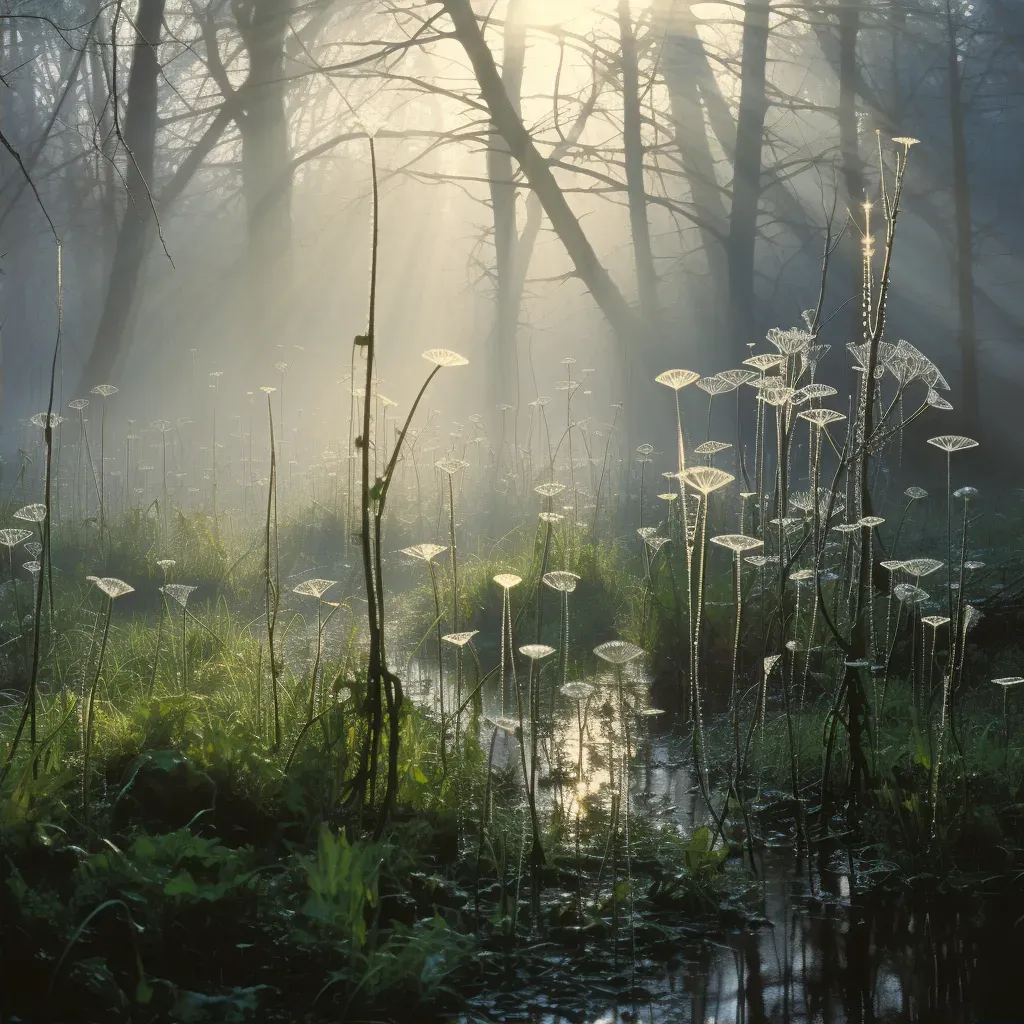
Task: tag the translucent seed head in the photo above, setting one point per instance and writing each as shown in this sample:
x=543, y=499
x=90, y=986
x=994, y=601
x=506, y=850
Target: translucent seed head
x=451, y=466
x=936, y=401
x=460, y=639
x=715, y=385
x=790, y=342
x=765, y=361
x=78, y=404
x=106, y=390
x=821, y=417
x=711, y=447
x=915, y=493
x=909, y=594
x=677, y=379
x=564, y=582
x=444, y=357
x=549, y=490
x=536, y=652
x=31, y=513
x=818, y=391
x=705, y=479
x=1008, y=681
x=618, y=652
x=314, y=588
x=39, y=419
x=922, y=566
x=113, y=587
x=508, y=580
x=737, y=377
x=578, y=691
x=425, y=552
x=737, y=542
x=178, y=592
x=952, y=442
x=9, y=537
x=935, y=620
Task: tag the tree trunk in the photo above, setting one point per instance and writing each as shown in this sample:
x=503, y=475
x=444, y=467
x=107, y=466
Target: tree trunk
x=139, y=132
x=265, y=161
x=852, y=165
x=746, y=187
x=621, y=316
x=505, y=366
x=968, y=338
x=682, y=59
x=636, y=190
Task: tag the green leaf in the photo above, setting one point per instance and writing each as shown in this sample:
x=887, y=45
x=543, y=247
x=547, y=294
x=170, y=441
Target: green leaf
x=181, y=884
x=417, y=774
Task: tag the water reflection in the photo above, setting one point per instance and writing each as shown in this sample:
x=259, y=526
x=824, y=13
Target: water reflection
x=825, y=958
x=827, y=953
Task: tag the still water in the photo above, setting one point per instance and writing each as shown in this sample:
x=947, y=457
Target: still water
x=831, y=948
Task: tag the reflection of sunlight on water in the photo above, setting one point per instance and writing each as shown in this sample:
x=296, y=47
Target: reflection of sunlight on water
x=826, y=959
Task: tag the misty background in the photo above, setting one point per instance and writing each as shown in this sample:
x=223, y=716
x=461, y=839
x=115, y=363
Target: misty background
x=637, y=185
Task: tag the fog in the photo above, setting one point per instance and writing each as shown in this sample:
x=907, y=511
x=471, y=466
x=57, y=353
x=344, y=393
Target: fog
x=205, y=168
